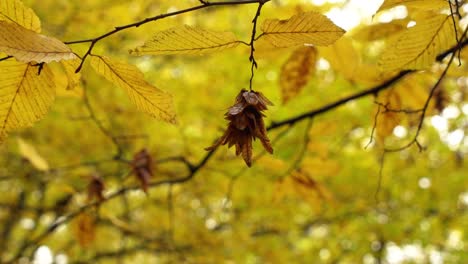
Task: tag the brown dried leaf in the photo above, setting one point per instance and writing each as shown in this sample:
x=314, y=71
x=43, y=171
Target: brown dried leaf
x=142, y=168
x=246, y=124
x=96, y=188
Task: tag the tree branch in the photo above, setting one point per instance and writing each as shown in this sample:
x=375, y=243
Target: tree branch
x=204, y=4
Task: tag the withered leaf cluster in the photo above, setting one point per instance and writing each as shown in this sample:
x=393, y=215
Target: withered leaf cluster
x=246, y=124
x=142, y=168
x=96, y=188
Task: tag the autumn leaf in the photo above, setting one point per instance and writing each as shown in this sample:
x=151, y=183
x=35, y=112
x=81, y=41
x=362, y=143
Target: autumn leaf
x=418, y=47
x=146, y=97
x=28, y=46
x=381, y=30
x=30, y=153
x=96, y=188
x=15, y=11
x=342, y=56
x=245, y=125
x=142, y=167
x=186, y=40
x=387, y=119
x=296, y=72
x=305, y=28
x=25, y=95
x=421, y=4
x=74, y=79
x=304, y=186
x=85, y=229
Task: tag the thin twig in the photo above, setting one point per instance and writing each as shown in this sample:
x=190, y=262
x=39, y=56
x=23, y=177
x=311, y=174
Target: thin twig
x=6, y=58
x=376, y=118
x=251, y=44
x=198, y=166
x=101, y=127
x=379, y=181
x=117, y=29
x=426, y=105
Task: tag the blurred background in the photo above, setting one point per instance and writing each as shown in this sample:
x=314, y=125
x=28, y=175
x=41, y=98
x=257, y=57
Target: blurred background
x=325, y=196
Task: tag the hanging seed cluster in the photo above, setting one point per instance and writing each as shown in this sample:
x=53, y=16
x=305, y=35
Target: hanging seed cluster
x=246, y=124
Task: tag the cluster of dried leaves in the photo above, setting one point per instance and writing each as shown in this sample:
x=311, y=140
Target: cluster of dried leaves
x=142, y=168
x=246, y=124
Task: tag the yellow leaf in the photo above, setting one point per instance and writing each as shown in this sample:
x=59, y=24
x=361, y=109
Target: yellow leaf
x=381, y=30
x=300, y=183
x=369, y=75
x=74, y=79
x=296, y=71
x=305, y=28
x=146, y=97
x=85, y=229
x=388, y=120
x=320, y=167
x=15, y=11
x=421, y=4
x=28, y=46
x=186, y=40
x=419, y=45
x=342, y=56
x=30, y=153
x=25, y=96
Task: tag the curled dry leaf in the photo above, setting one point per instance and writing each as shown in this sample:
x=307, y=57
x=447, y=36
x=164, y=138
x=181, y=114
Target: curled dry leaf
x=142, y=168
x=246, y=123
x=96, y=188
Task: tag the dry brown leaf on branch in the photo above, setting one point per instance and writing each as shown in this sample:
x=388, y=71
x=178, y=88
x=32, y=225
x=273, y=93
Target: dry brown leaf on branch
x=15, y=11
x=28, y=46
x=246, y=124
x=304, y=28
x=25, y=96
x=142, y=166
x=145, y=96
x=96, y=188
x=186, y=40
x=296, y=72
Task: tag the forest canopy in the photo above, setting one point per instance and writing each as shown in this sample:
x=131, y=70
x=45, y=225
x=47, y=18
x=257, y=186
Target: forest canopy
x=238, y=131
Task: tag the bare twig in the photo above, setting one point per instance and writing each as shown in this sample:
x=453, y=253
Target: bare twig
x=6, y=58
x=195, y=168
x=379, y=181
x=426, y=104
x=107, y=133
x=251, y=44
x=376, y=117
